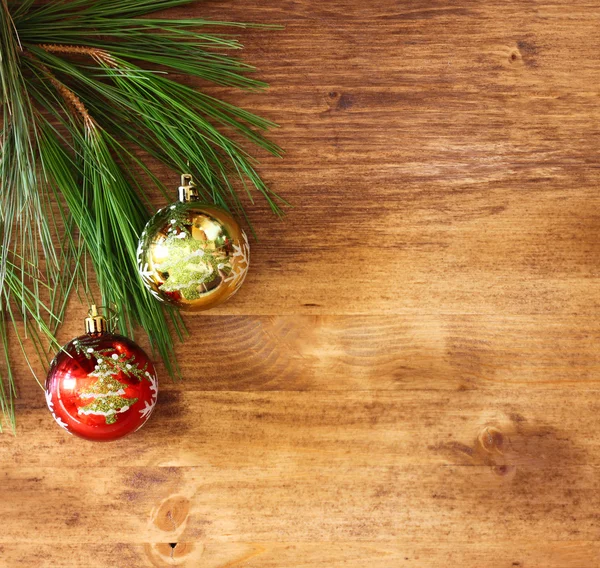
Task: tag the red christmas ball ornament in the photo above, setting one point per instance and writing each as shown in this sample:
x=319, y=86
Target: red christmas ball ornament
x=101, y=386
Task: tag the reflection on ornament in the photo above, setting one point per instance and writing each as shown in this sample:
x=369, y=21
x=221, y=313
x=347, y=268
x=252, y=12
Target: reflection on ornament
x=69, y=384
x=193, y=255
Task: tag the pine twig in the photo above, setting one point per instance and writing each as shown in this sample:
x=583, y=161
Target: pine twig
x=99, y=55
x=67, y=94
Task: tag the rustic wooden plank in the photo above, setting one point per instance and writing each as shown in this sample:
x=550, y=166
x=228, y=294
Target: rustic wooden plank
x=390, y=352
x=301, y=504
x=499, y=428
x=369, y=352
x=403, y=552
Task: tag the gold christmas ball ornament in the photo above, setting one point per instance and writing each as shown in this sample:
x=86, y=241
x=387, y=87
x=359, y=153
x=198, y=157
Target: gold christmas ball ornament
x=193, y=255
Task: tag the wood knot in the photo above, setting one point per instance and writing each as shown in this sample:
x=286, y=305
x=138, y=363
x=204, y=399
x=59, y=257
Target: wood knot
x=492, y=440
x=175, y=553
x=172, y=513
x=340, y=101
x=504, y=470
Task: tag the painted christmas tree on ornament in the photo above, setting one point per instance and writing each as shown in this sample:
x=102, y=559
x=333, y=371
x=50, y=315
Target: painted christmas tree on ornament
x=191, y=264
x=101, y=386
x=107, y=392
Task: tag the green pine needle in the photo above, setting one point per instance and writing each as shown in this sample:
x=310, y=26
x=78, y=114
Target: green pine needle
x=77, y=100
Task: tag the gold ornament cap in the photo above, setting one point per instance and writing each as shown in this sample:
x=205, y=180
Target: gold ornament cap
x=188, y=190
x=95, y=323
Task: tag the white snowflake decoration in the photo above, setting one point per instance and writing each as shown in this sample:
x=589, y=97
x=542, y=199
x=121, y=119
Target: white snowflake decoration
x=149, y=406
x=147, y=410
x=242, y=254
x=58, y=420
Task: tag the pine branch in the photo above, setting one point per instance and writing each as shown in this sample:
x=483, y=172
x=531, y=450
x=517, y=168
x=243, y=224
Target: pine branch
x=76, y=101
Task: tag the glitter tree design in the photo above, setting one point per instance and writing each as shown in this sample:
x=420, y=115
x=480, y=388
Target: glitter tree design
x=191, y=263
x=107, y=392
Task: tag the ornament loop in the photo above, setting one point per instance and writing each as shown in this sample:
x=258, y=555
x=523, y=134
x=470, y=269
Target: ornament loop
x=95, y=323
x=187, y=189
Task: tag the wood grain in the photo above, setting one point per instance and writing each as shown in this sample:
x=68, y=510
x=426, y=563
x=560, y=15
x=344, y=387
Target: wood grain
x=410, y=375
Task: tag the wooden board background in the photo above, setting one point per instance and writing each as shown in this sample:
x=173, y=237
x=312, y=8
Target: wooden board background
x=410, y=376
